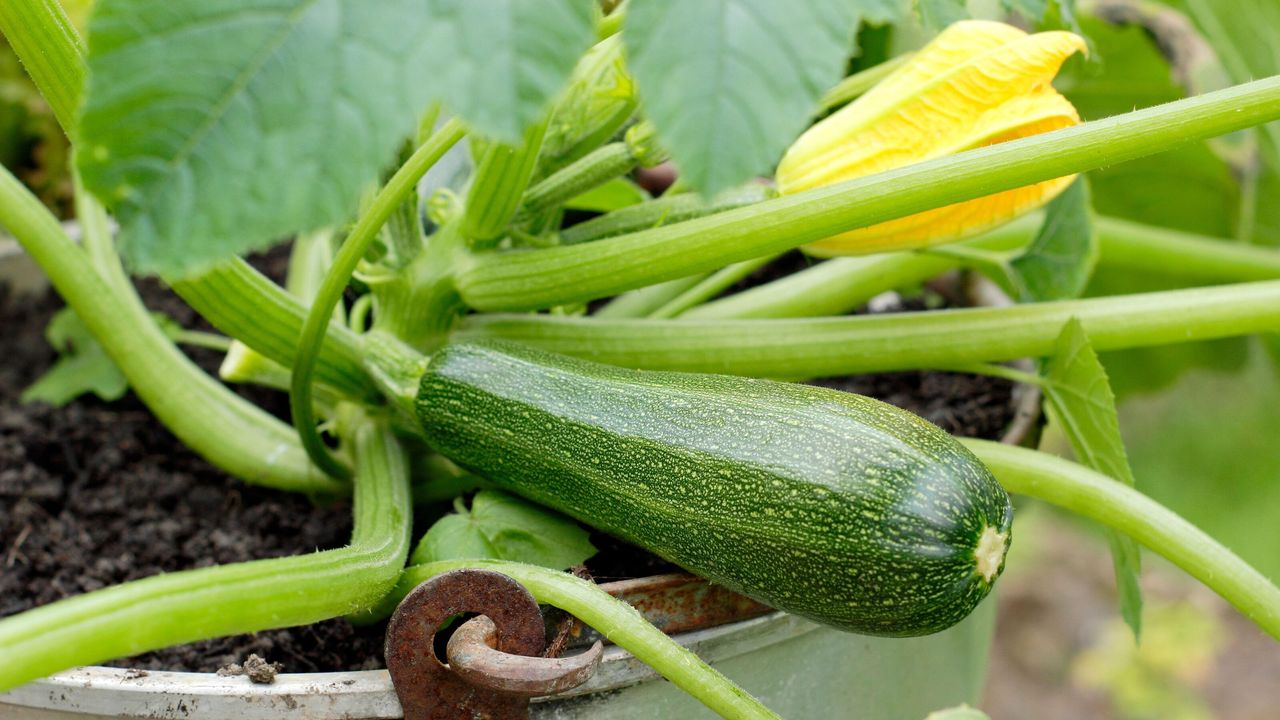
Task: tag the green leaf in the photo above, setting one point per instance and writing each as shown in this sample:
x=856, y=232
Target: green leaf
x=1058, y=263
x=504, y=527
x=453, y=537
x=1244, y=33
x=497, y=63
x=937, y=14
x=215, y=128
x=1032, y=10
x=730, y=83
x=82, y=366
x=882, y=12
x=613, y=195
x=1189, y=188
x=1082, y=404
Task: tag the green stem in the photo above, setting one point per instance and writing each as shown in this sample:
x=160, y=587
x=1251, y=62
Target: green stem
x=561, y=275
x=403, y=182
x=639, y=303
x=51, y=50
x=1147, y=249
x=248, y=306
x=666, y=210
x=802, y=348
x=179, y=607
x=852, y=87
x=502, y=175
x=1001, y=371
x=1116, y=505
x=595, y=168
x=614, y=619
x=711, y=286
x=838, y=286
x=225, y=429
x=209, y=341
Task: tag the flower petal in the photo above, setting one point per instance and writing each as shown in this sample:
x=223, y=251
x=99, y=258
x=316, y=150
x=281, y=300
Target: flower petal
x=976, y=84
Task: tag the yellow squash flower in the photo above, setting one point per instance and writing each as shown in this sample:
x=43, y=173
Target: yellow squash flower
x=978, y=83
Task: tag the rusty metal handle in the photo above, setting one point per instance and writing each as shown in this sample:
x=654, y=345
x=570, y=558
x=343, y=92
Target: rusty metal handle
x=499, y=668
x=473, y=656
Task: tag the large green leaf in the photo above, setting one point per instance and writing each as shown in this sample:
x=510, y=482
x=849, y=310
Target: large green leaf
x=213, y=128
x=1082, y=404
x=730, y=83
x=497, y=63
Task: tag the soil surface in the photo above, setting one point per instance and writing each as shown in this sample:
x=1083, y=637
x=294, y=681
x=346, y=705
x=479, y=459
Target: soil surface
x=95, y=494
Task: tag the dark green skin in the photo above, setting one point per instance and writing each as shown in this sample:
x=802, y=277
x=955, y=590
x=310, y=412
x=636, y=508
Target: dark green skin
x=828, y=505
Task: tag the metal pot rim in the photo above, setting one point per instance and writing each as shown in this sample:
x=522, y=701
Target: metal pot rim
x=364, y=694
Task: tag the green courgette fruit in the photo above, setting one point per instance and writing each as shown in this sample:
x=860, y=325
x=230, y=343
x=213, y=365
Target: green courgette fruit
x=826, y=504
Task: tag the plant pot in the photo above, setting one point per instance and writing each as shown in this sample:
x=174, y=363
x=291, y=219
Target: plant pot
x=834, y=674
x=797, y=668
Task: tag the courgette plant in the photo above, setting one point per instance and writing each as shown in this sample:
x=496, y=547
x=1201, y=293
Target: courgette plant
x=212, y=129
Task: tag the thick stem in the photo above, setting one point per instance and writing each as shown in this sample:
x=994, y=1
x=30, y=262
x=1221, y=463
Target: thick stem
x=180, y=607
x=802, y=348
x=614, y=619
x=390, y=197
x=221, y=426
x=248, y=306
x=556, y=276
x=1160, y=251
x=51, y=50
x=838, y=286
x=1116, y=505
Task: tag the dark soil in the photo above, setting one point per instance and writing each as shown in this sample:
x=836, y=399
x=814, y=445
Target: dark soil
x=95, y=494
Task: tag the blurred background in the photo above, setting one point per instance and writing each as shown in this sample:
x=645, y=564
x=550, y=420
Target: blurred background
x=1202, y=422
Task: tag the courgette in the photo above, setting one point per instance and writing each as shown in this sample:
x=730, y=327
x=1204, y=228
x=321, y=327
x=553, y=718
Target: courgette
x=829, y=505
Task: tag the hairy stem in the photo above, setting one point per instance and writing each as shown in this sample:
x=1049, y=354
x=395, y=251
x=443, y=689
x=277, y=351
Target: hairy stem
x=180, y=607
x=816, y=347
x=51, y=50
x=1116, y=505
x=555, y=276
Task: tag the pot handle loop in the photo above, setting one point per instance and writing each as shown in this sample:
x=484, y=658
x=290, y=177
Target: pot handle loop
x=494, y=659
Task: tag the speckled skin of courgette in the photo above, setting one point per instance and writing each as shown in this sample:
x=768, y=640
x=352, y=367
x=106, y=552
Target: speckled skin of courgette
x=828, y=505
